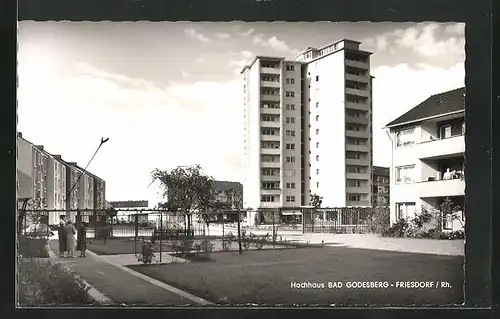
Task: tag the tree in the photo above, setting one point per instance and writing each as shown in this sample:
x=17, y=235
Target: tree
x=316, y=200
x=187, y=190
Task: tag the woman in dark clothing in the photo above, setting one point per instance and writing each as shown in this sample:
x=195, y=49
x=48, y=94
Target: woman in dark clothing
x=61, y=231
x=82, y=239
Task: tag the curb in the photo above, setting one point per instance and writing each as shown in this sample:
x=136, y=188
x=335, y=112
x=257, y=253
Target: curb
x=155, y=282
x=94, y=293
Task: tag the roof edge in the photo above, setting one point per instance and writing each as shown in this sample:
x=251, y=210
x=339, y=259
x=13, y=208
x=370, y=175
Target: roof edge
x=423, y=119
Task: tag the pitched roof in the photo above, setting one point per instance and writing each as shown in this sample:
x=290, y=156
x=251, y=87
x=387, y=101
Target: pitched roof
x=227, y=186
x=437, y=104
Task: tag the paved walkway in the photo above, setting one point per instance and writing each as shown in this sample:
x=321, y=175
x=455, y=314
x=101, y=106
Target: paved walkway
x=365, y=241
x=118, y=284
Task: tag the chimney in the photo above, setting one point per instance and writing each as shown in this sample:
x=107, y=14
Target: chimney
x=39, y=147
x=19, y=134
x=57, y=157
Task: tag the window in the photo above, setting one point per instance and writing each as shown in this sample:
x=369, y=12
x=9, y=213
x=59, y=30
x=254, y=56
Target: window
x=353, y=198
x=269, y=131
x=317, y=158
x=290, y=67
x=317, y=78
x=404, y=174
x=405, y=137
x=290, y=146
x=289, y=120
x=353, y=183
x=270, y=172
x=290, y=185
x=290, y=132
x=290, y=159
x=290, y=94
x=290, y=107
x=290, y=199
x=405, y=210
x=355, y=169
x=353, y=155
x=267, y=198
x=317, y=171
x=271, y=185
x=289, y=172
x=290, y=81
x=317, y=118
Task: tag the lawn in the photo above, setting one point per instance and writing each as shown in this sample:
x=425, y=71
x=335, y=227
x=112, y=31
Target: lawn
x=265, y=277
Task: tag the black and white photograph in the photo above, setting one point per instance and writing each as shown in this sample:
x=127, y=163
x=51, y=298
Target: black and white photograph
x=240, y=164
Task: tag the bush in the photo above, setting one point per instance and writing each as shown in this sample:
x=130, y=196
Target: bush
x=206, y=247
x=398, y=229
x=247, y=241
x=227, y=241
x=33, y=247
x=103, y=232
x=379, y=220
x=259, y=244
x=44, y=283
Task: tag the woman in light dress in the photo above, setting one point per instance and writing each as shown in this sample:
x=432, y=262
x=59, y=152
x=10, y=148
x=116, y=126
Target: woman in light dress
x=70, y=239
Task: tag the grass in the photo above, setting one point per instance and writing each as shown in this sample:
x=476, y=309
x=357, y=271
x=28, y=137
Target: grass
x=264, y=277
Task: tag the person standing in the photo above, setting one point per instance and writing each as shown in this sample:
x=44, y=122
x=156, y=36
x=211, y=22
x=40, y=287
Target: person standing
x=70, y=239
x=61, y=231
x=81, y=243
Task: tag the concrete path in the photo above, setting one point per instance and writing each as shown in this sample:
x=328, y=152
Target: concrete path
x=122, y=286
x=364, y=241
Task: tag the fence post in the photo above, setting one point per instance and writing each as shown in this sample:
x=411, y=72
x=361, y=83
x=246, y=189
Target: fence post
x=161, y=233
x=136, y=226
x=239, y=232
x=274, y=214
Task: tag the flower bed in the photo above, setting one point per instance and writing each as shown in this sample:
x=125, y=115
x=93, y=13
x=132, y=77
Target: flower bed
x=43, y=283
x=33, y=247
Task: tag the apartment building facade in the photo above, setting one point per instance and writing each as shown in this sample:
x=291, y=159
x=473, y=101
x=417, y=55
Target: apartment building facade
x=56, y=183
x=308, y=128
x=428, y=158
x=381, y=186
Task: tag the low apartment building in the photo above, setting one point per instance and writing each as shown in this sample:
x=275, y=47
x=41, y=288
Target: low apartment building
x=428, y=158
x=56, y=183
x=381, y=186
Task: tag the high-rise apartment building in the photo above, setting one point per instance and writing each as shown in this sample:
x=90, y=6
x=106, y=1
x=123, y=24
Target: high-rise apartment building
x=380, y=186
x=308, y=128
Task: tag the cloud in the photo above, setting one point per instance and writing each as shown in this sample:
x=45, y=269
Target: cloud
x=398, y=89
x=247, y=54
x=246, y=33
x=273, y=43
x=222, y=36
x=200, y=60
x=149, y=127
x=185, y=75
x=429, y=40
x=191, y=32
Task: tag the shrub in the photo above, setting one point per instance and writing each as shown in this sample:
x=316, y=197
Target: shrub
x=379, y=220
x=247, y=241
x=227, y=241
x=398, y=229
x=206, y=247
x=422, y=218
x=147, y=253
x=44, y=283
x=33, y=247
x=103, y=232
x=186, y=246
x=259, y=244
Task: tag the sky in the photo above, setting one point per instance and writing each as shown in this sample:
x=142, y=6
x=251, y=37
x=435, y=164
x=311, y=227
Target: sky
x=171, y=93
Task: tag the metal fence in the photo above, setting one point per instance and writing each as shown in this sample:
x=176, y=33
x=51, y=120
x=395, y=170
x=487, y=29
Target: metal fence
x=344, y=220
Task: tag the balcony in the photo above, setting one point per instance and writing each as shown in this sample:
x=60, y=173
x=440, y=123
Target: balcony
x=270, y=84
x=274, y=124
x=270, y=164
x=363, y=176
x=265, y=110
x=359, y=134
x=357, y=64
x=270, y=98
x=358, y=162
x=356, y=120
x=361, y=203
x=274, y=204
x=270, y=70
x=357, y=148
x=357, y=106
x=442, y=188
x=357, y=190
x=270, y=178
x=275, y=191
x=357, y=78
x=441, y=147
x=272, y=138
x=364, y=93
x=270, y=151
